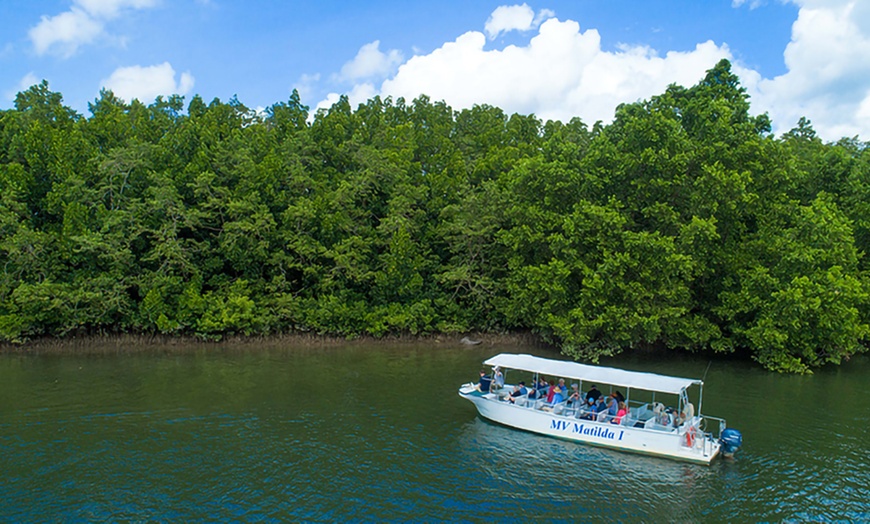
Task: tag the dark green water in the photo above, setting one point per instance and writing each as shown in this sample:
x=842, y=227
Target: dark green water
x=378, y=433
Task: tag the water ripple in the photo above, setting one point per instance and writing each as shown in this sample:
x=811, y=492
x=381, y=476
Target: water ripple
x=241, y=437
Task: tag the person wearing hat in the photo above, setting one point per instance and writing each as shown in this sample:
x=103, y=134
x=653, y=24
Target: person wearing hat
x=560, y=392
x=574, y=397
x=587, y=410
x=498, y=378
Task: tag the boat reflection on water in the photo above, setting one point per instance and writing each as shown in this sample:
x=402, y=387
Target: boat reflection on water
x=525, y=465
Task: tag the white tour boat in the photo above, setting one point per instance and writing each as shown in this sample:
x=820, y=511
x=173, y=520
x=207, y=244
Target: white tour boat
x=649, y=427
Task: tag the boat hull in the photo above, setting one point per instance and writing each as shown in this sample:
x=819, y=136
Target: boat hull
x=669, y=444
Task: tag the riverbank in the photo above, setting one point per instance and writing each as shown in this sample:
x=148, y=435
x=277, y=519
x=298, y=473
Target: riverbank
x=132, y=343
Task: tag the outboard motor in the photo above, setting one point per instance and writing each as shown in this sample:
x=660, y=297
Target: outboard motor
x=731, y=440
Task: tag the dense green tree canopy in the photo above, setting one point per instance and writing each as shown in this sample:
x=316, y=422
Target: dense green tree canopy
x=683, y=224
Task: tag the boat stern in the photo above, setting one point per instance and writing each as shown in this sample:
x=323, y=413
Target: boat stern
x=731, y=440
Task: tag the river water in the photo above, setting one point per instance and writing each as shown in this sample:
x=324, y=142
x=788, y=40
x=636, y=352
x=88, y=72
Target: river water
x=377, y=433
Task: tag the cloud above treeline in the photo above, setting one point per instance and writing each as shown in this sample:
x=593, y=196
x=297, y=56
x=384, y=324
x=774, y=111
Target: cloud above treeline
x=87, y=22
x=563, y=72
x=559, y=69
x=84, y=23
x=514, y=18
x=147, y=83
x=828, y=77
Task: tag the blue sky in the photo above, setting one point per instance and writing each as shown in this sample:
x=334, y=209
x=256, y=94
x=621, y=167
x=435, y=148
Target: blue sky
x=554, y=58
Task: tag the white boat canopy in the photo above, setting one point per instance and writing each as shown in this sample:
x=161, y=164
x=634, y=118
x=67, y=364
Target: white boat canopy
x=593, y=374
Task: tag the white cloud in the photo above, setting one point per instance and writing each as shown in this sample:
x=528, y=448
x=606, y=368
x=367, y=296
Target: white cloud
x=326, y=103
x=563, y=72
x=752, y=3
x=828, y=76
x=82, y=24
x=306, y=85
x=26, y=81
x=371, y=62
x=361, y=93
x=864, y=108
x=509, y=18
x=543, y=14
x=65, y=32
x=146, y=83
x=358, y=95
x=514, y=18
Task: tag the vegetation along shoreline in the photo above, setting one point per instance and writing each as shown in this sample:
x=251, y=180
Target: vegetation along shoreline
x=683, y=224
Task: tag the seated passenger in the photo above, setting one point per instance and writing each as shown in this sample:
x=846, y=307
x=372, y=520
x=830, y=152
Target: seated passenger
x=519, y=391
x=671, y=417
x=560, y=392
x=551, y=391
x=558, y=396
x=587, y=410
x=620, y=414
x=593, y=394
x=574, y=397
x=612, y=405
x=484, y=384
x=599, y=408
x=533, y=390
x=662, y=416
x=688, y=413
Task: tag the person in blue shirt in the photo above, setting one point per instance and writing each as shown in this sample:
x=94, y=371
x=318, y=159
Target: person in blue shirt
x=600, y=407
x=538, y=389
x=613, y=405
x=593, y=394
x=484, y=384
x=519, y=391
x=560, y=392
x=588, y=410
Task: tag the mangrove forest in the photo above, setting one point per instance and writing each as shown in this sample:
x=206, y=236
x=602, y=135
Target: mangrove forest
x=684, y=224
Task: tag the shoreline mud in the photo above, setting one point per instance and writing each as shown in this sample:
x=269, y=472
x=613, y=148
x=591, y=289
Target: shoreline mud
x=132, y=344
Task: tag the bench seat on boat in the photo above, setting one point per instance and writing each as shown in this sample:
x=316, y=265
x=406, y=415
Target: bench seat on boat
x=559, y=408
x=652, y=424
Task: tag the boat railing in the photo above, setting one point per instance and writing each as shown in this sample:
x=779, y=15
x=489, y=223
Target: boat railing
x=713, y=426
x=640, y=415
